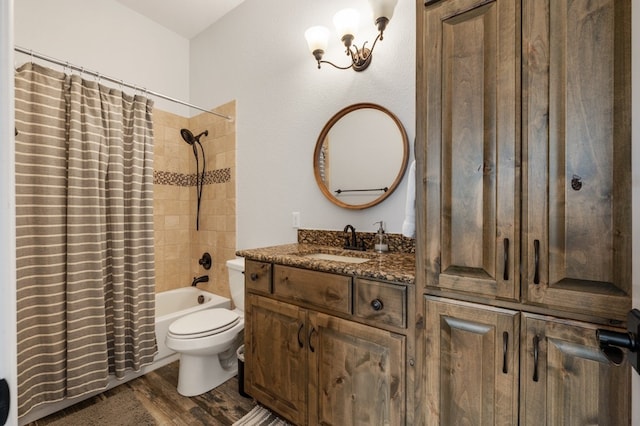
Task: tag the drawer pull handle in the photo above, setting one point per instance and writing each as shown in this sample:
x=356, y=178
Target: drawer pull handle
x=311, y=348
x=536, y=350
x=377, y=304
x=300, y=342
x=254, y=276
x=505, y=274
x=505, y=348
x=536, y=261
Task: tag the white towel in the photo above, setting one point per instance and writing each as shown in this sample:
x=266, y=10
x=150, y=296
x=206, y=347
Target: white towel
x=409, y=224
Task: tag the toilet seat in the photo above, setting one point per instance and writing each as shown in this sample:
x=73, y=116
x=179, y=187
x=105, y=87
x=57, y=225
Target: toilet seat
x=203, y=323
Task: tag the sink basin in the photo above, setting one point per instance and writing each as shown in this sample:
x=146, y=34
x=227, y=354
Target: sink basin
x=336, y=258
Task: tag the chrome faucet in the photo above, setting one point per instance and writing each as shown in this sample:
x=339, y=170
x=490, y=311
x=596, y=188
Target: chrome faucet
x=351, y=241
x=202, y=279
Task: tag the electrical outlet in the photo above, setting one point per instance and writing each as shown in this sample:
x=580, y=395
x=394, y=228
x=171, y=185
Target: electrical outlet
x=295, y=220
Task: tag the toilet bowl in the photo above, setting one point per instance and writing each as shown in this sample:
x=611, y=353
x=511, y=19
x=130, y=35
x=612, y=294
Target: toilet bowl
x=207, y=340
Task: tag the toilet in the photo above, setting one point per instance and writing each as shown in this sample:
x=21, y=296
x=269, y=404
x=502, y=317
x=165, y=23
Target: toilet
x=207, y=340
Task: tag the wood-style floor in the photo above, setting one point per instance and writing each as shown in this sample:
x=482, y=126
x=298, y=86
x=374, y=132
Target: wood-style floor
x=157, y=393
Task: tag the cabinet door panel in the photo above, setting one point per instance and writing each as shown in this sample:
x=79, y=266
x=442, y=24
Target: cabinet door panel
x=471, y=358
x=276, y=357
x=356, y=374
x=573, y=383
x=577, y=155
x=472, y=138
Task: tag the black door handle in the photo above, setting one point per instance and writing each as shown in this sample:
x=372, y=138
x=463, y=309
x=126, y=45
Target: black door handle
x=4, y=401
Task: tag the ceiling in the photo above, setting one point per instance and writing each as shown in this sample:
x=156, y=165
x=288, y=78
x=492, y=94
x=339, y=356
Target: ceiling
x=185, y=17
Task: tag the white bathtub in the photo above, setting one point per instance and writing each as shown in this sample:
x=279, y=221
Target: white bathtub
x=173, y=304
x=170, y=305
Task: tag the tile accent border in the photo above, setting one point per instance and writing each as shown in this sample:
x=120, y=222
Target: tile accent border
x=180, y=179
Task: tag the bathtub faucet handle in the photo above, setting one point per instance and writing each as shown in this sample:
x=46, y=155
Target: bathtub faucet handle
x=202, y=279
x=205, y=261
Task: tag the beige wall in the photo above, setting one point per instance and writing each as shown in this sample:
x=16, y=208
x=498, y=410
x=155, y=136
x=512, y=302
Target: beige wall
x=177, y=243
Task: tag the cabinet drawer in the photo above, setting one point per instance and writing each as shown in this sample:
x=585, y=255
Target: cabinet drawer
x=323, y=290
x=381, y=302
x=257, y=276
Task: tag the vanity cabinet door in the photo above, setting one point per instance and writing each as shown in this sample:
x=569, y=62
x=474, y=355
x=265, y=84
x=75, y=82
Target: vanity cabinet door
x=356, y=373
x=469, y=89
x=276, y=356
x=566, y=380
x=471, y=364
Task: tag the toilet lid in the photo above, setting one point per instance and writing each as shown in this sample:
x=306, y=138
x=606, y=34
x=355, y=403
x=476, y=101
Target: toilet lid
x=204, y=323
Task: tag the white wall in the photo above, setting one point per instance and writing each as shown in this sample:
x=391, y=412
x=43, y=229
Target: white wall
x=105, y=36
x=258, y=55
x=7, y=212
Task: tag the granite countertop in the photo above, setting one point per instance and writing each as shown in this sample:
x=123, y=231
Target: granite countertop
x=398, y=267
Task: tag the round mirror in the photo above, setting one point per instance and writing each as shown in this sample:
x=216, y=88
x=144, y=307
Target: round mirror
x=361, y=156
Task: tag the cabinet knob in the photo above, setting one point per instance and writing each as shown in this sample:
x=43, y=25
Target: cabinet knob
x=253, y=276
x=377, y=304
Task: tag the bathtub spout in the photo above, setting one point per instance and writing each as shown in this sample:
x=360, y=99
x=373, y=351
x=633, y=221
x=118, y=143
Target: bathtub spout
x=202, y=279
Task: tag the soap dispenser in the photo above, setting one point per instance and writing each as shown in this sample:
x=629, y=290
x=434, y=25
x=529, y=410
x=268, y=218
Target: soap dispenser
x=381, y=244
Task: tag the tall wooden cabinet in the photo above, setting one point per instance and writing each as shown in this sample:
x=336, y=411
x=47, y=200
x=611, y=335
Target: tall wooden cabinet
x=523, y=208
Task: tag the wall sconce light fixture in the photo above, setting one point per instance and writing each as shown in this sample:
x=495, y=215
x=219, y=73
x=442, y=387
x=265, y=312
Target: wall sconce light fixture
x=346, y=23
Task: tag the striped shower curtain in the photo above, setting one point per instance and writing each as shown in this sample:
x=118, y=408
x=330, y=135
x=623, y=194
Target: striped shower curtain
x=84, y=212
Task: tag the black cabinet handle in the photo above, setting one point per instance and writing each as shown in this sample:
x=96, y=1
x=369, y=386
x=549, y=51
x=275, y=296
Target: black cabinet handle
x=536, y=354
x=536, y=261
x=300, y=342
x=505, y=274
x=253, y=276
x=377, y=304
x=311, y=348
x=505, y=350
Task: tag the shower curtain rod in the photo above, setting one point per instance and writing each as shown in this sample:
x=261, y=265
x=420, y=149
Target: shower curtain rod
x=114, y=80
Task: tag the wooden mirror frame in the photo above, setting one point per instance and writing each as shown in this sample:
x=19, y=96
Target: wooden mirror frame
x=323, y=135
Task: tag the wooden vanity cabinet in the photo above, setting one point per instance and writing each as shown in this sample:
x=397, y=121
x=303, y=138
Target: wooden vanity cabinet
x=313, y=360
x=276, y=365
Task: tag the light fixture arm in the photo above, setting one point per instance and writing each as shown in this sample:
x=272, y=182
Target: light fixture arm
x=360, y=58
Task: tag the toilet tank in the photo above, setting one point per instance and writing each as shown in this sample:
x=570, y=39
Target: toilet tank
x=235, y=268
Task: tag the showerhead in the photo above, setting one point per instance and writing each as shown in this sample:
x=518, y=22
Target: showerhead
x=189, y=138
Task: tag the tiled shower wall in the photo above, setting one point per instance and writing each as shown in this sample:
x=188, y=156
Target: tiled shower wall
x=178, y=245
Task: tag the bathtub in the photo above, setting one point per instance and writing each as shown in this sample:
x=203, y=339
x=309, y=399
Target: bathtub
x=170, y=305
x=173, y=304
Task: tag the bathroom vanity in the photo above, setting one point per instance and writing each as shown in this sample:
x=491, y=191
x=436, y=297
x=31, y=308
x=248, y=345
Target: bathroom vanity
x=327, y=336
